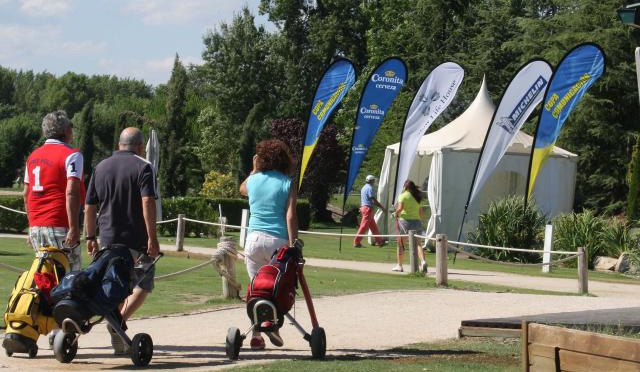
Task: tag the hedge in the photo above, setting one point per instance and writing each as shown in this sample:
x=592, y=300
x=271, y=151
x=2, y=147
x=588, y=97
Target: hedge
x=11, y=221
x=205, y=209
x=193, y=207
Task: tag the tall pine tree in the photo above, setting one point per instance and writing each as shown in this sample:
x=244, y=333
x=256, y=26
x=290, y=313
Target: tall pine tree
x=633, y=180
x=247, y=144
x=173, y=167
x=84, y=131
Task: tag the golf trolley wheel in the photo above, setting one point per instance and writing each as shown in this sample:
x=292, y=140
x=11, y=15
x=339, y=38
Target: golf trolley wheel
x=318, y=343
x=141, y=349
x=33, y=352
x=233, y=343
x=65, y=347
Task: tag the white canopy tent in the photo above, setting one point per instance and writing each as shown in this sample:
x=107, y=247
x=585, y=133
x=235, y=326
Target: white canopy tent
x=445, y=163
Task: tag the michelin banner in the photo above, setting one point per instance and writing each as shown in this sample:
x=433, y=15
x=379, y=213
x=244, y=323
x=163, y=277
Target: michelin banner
x=380, y=91
x=434, y=96
x=523, y=94
x=334, y=85
x=576, y=72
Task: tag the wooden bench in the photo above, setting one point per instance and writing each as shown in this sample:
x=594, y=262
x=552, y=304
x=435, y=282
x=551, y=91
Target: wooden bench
x=547, y=348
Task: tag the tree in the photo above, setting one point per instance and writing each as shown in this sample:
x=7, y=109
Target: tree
x=18, y=137
x=633, y=180
x=321, y=176
x=217, y=147
x=173, y=167
x=247, y=145
x=84, y=134
x=238, y=69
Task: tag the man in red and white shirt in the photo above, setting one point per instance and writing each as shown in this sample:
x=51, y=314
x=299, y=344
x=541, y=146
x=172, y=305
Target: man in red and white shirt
x=54, y=190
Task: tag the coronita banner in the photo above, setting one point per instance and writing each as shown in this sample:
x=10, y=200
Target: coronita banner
x=381, y=89
x=575, y=74
x=338, y=78
x=435, y=94
x=523, y=94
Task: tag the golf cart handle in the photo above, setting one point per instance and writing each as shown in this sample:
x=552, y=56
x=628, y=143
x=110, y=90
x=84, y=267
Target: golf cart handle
x=298, y=243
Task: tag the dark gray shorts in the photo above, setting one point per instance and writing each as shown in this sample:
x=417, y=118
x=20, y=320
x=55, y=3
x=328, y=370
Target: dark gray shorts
x=405, y=225
x=142, y=261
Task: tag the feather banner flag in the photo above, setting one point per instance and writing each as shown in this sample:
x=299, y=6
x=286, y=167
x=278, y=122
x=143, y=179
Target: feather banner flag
x=338, y=78
x=519, y=99
x=575, y=74
x=522, y=96
x=434, y=96
x=381, y=89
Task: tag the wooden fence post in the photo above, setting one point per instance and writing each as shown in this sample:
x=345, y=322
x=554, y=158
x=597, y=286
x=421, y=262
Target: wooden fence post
x=244, y=222
x=524, y=344
x=583, y=271
x=413, y=253
x=229, y=262
x=441, y=259
x=180, y=233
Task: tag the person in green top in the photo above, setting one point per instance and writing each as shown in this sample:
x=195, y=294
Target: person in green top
x=409, y=216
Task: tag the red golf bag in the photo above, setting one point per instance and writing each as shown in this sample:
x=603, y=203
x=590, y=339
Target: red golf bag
x=275, y=283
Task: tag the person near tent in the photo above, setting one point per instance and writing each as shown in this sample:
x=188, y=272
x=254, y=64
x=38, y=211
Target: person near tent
x=272, y=204
x=409, y=216
x=367, y=201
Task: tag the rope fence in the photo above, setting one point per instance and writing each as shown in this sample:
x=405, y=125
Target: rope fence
x=509, y=249
x=167, y=221
x=225, y=255
x=12, y=210
x=11, y=268
x=517, y=264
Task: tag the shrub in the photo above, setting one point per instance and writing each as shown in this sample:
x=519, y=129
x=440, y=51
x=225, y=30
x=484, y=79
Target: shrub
x=617, y=238
x=573, y=230
x=508, y=224
x=11, y=221
x=204, y=209
x=195, y=208
x=218, y=185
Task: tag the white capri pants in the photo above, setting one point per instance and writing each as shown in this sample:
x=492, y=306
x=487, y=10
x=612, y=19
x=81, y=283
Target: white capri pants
x=258, y=249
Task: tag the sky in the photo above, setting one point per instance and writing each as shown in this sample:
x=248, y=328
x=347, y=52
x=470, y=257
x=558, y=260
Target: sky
x=127, y=38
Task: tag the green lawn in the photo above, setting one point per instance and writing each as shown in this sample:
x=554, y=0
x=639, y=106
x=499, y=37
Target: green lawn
x=477, y=355
x=203, y=288
x=328, y=247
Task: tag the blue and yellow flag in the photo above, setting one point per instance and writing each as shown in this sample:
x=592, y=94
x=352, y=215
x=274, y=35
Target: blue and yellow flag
x=383, y=85
x=575, y=74
x=334, y=85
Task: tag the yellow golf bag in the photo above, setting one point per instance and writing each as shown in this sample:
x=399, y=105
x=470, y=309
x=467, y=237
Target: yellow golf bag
x=28, y=313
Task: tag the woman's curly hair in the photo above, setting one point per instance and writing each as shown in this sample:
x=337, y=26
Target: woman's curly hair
x=273, y=155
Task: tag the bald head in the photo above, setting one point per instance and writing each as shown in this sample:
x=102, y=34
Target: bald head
x=131, y=140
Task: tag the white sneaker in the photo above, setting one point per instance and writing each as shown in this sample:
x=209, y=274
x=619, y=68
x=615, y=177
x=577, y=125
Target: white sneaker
x=119, y=347
x=397, y=268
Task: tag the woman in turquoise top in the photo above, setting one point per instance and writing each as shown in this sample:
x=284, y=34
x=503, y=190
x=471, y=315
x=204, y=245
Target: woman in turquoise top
x=409, y=216
x=272, y=203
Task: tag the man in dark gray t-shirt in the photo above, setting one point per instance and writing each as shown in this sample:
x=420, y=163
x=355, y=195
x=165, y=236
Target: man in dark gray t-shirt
x=122, y=188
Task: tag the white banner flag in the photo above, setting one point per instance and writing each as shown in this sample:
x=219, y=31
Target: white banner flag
x=433, y=97
x=524, y=93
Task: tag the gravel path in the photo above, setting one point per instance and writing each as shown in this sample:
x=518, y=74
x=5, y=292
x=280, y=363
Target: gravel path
x=355, y=324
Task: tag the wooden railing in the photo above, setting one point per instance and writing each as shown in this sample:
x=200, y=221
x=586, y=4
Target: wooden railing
x=547, y=348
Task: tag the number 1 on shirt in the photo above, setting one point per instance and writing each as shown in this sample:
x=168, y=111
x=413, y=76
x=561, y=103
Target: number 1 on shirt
x=36, y=175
